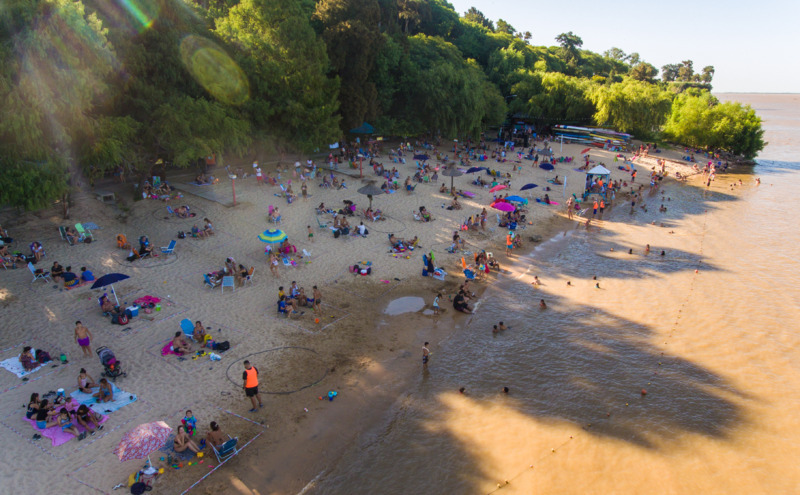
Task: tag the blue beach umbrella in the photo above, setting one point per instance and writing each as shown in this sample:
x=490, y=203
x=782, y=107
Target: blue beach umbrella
x=421, y=157
x=272, y=236
x=472, y=170
x=528, y=186
x=517, y=199
x=546, y=166
x=110, y=279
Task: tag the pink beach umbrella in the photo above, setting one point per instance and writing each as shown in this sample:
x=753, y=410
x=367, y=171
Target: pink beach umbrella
x=141, y=441
x=503, y=206
x=498, y=188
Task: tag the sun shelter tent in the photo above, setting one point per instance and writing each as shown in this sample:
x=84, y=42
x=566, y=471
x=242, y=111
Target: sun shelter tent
x=594, y=178
x=363, y=129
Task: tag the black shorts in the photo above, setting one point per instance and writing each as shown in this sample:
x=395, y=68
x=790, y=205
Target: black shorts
x=251, y=391
x=424, y=359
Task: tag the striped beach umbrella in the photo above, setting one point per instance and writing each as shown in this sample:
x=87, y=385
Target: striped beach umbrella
x=272, y=236
x=141, y=441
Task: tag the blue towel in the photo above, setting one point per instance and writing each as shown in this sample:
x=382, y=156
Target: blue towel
x=121, y=399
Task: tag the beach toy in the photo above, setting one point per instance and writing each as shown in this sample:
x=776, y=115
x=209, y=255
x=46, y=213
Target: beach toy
x=316, y=320
x=644, y=392
x=200, y=461
x=385, y=281
x=332, y=394
x=161, y=471
x=320, y=397
x=200, y=455
x=161, y=459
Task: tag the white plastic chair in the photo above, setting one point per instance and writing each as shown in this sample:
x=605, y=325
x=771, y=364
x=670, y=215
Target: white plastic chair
x=228, y=281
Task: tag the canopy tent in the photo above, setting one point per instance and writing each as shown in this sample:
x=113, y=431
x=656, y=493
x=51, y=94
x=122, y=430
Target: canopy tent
x=593, y=178
x=363, y=129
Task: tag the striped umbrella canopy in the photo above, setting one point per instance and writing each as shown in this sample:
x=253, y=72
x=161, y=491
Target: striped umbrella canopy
x=272, y=236
x=141, y=441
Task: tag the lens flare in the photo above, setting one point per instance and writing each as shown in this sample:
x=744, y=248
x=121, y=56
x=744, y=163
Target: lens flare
x=142, y=12
x=214, y=70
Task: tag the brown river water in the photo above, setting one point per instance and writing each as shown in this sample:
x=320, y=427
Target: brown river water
x=709, y=331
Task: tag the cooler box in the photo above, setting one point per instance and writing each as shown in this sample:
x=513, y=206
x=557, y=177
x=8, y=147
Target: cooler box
x=134, y=310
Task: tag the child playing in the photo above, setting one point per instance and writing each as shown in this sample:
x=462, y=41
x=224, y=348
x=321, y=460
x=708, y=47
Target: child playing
x=190, y=423
x=436, y=304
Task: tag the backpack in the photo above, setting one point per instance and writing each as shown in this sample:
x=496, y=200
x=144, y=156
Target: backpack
x=336, y=234
x=222, y=346
x=121, y=319
x=181, y=235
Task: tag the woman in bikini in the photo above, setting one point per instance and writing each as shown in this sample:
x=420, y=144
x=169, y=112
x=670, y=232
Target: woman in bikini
x=183, y=442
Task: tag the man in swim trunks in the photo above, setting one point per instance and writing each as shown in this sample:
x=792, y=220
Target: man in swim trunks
x=83, y=337
x=317, y=299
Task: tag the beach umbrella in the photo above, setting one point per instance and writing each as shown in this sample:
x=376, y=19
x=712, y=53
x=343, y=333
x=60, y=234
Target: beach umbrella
x=498, y=187
x=110, y=279
x=143, y=440
x=585, y=151
x=546, y=153
x=452, y=172
x=503, y=206
x=528, y=186
x=517, y=199
x=472, y=170
x=546, y=166
x=369, y=191
x=421, y=157
x=272, y=236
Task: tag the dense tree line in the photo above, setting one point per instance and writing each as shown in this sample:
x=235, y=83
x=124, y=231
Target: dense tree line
x=92, y=85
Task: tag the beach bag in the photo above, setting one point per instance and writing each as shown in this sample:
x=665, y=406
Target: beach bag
x=181, y=235
x=121, y=319
x=222, y=346
x=42, y=356
x=336, y=234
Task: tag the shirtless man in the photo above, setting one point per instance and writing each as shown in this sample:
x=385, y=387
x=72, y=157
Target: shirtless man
x=179, y=344
x=317, y=299
x=83, y=337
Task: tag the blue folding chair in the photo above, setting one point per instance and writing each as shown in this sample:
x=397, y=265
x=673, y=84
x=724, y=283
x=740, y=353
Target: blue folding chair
x=169, y=249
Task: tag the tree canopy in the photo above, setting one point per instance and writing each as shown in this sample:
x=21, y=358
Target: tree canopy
x=91, y=85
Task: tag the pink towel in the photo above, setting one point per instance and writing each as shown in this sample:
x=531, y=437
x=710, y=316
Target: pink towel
x=146, y=301
x=167, y=350
x=57, y=436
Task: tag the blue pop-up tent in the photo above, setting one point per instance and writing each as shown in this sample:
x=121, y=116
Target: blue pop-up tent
x=363, y=129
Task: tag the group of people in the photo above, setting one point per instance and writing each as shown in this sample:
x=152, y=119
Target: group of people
x=68, y=277
x=291, y=302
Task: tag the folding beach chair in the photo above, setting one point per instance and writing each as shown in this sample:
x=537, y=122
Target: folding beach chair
x=38, y=274
x=249, y=277
x=321, y=225
x=209, y=282
x=169, y=249
x=64, y=236
x=187, y=327
x=226, y=450
x=170, y=211
x=85, y=233
x=228, y=281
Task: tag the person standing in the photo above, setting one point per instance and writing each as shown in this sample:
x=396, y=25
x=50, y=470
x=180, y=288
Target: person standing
x=83, y=337
x=250, y=385
x=594, y=208
x=426, y=353
x=602, y=207
x=317, y=300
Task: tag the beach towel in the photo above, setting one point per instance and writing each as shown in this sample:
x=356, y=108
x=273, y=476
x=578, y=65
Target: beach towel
x=81, y=284
x=467, y=194
x=121, y=399
x=13, y=365
x=542, y=202
x=91, y=226
x=167, y=350
x=146, y=301
x=54, y=433
x=168, y=449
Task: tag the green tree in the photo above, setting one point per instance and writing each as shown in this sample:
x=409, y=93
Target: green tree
x=615, y=53
x=353, y=40
x=292, y=99
x=553, y=97
x=669, y=72
x=700, y=120
x=634, y=59
x=570, y=49
x=686, y=71
x=504, y=27
x=708, y=74
x=476, y=16
x=632, y=106
x=644, y=72
x=54, y=63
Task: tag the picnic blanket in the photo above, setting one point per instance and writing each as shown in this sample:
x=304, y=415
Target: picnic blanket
x=13, y=365
x=121, y=399
x=54, y=433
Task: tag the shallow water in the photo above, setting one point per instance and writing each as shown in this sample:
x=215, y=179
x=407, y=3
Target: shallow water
x=410, y=304
x=679, y=374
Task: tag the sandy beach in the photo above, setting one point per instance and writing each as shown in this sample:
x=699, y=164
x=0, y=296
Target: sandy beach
x=352, y=349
